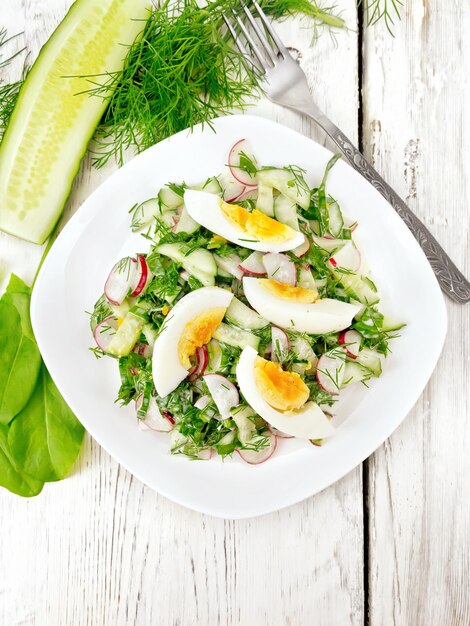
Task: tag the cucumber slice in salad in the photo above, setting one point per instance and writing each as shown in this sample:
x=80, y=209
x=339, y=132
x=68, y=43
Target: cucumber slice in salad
x=244, y=317
x=235, y=337
x=287, y=183
x=169, y=199
x=126, y=335
x=54, y=120
x=200, y=263
x=285, y=211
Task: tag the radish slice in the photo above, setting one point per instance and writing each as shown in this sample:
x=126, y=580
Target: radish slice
x=105, y=331
x=302, y=249
x=143, y=349
x=254, y=458
x=154, y=420
x=184, y=275
x=223, y=392
x=202, y=402
x=143, y=276
x=230, y=264
x=351, y=340
x=202, y=359
x=234, y=155
x=330, y=370
x=250, y=193
x=279, y=433
x=348, y=257
x=280, y=268
x=280, y=344
x=120, y=280
x=253, y=264
x=232, y=188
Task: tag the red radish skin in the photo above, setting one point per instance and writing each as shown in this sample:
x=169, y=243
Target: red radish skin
x=253, y=264
x=234, y=162
x=105, y=331
x=202, y=359
x=154, y=420
x=249, y=193
x=255, y=458
x=333, y=262
x=144, y=276
x=351, y=340
x=237, y=197
x=120, y=280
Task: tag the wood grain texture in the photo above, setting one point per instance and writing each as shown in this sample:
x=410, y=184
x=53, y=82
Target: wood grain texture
x=417, y=131
x=101, y=549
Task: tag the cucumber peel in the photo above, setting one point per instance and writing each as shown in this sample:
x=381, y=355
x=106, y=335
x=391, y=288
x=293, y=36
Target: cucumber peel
x=54, y=119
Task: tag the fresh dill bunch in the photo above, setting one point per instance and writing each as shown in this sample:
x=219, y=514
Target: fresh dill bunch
x=9, y=91
x=386, y=10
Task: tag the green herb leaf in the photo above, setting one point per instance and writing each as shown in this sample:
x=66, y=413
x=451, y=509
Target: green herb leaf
x=11, y=476
x=20, y=358
x=45, y=437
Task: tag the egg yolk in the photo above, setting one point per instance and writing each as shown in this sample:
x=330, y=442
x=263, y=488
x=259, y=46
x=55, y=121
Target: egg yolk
x=288, y=292
x=284, y=391
x=257, y=224
x=198, y=332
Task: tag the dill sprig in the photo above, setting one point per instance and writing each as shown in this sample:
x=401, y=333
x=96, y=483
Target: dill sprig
x=9, y=91
x=386, y=10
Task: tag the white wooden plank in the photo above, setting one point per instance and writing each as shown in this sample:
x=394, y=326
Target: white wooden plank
x=100, y=548
x=417, y=130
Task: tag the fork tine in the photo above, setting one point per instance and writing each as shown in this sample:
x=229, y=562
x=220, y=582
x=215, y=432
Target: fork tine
x=241, y=47
x=272, y=33
x=261, y=36
x=251, y=42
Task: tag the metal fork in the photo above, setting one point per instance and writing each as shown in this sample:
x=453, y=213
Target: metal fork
x=286, y=84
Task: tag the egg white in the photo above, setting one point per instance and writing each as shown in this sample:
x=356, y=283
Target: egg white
x=309, y=422
x=167, y=370
x=320, y=317
x=205, y=209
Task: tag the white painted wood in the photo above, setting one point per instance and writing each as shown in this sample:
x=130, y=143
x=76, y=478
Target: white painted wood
x=417, y=130
x=101, y=549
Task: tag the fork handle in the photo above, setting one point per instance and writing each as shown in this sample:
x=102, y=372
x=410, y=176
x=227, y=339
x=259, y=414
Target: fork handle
x=450, y=278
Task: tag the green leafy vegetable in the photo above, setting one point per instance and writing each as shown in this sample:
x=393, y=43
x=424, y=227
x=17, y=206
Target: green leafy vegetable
x=20, y=359
x=39, y=435
x=45, y=437
x=11, y=476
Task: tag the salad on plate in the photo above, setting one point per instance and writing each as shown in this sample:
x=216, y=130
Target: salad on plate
x=250, y=314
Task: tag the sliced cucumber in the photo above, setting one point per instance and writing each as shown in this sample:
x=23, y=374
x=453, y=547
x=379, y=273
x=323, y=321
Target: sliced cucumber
x=121, y=310
x=169, y=199
x=359, y=287
x=211, y=185
x=285, y=182
x=54, y=118
x=144, y=213
x=186, y=224
x=285, y=211
x=335, y=219
x=126, y=336
x=246, y=428
x=355, y=373
x=200, y=263
x=371, y=360
x=305, y=279
x=390, y=325
x=236, y=337
x=264, y=201
x=244, y=317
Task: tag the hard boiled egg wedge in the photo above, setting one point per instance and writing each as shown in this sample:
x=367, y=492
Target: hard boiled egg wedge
x=296, y=308
x=253, y=230
x=189, y=325
x=280, y=397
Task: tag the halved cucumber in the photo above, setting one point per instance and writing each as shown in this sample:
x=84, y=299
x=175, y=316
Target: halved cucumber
x=169, y=199
x=54, y=119
x=264, y=201
x=244, y=317
x=126, y=335
x=370, y=359
x=236, y=337
x=359, y=287
x=186, y=224
x=211, y=185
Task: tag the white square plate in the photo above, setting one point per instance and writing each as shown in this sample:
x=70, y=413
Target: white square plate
x=72, y=279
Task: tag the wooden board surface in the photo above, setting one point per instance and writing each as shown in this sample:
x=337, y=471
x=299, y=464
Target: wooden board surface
x=417, y=130
x=101, y=549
